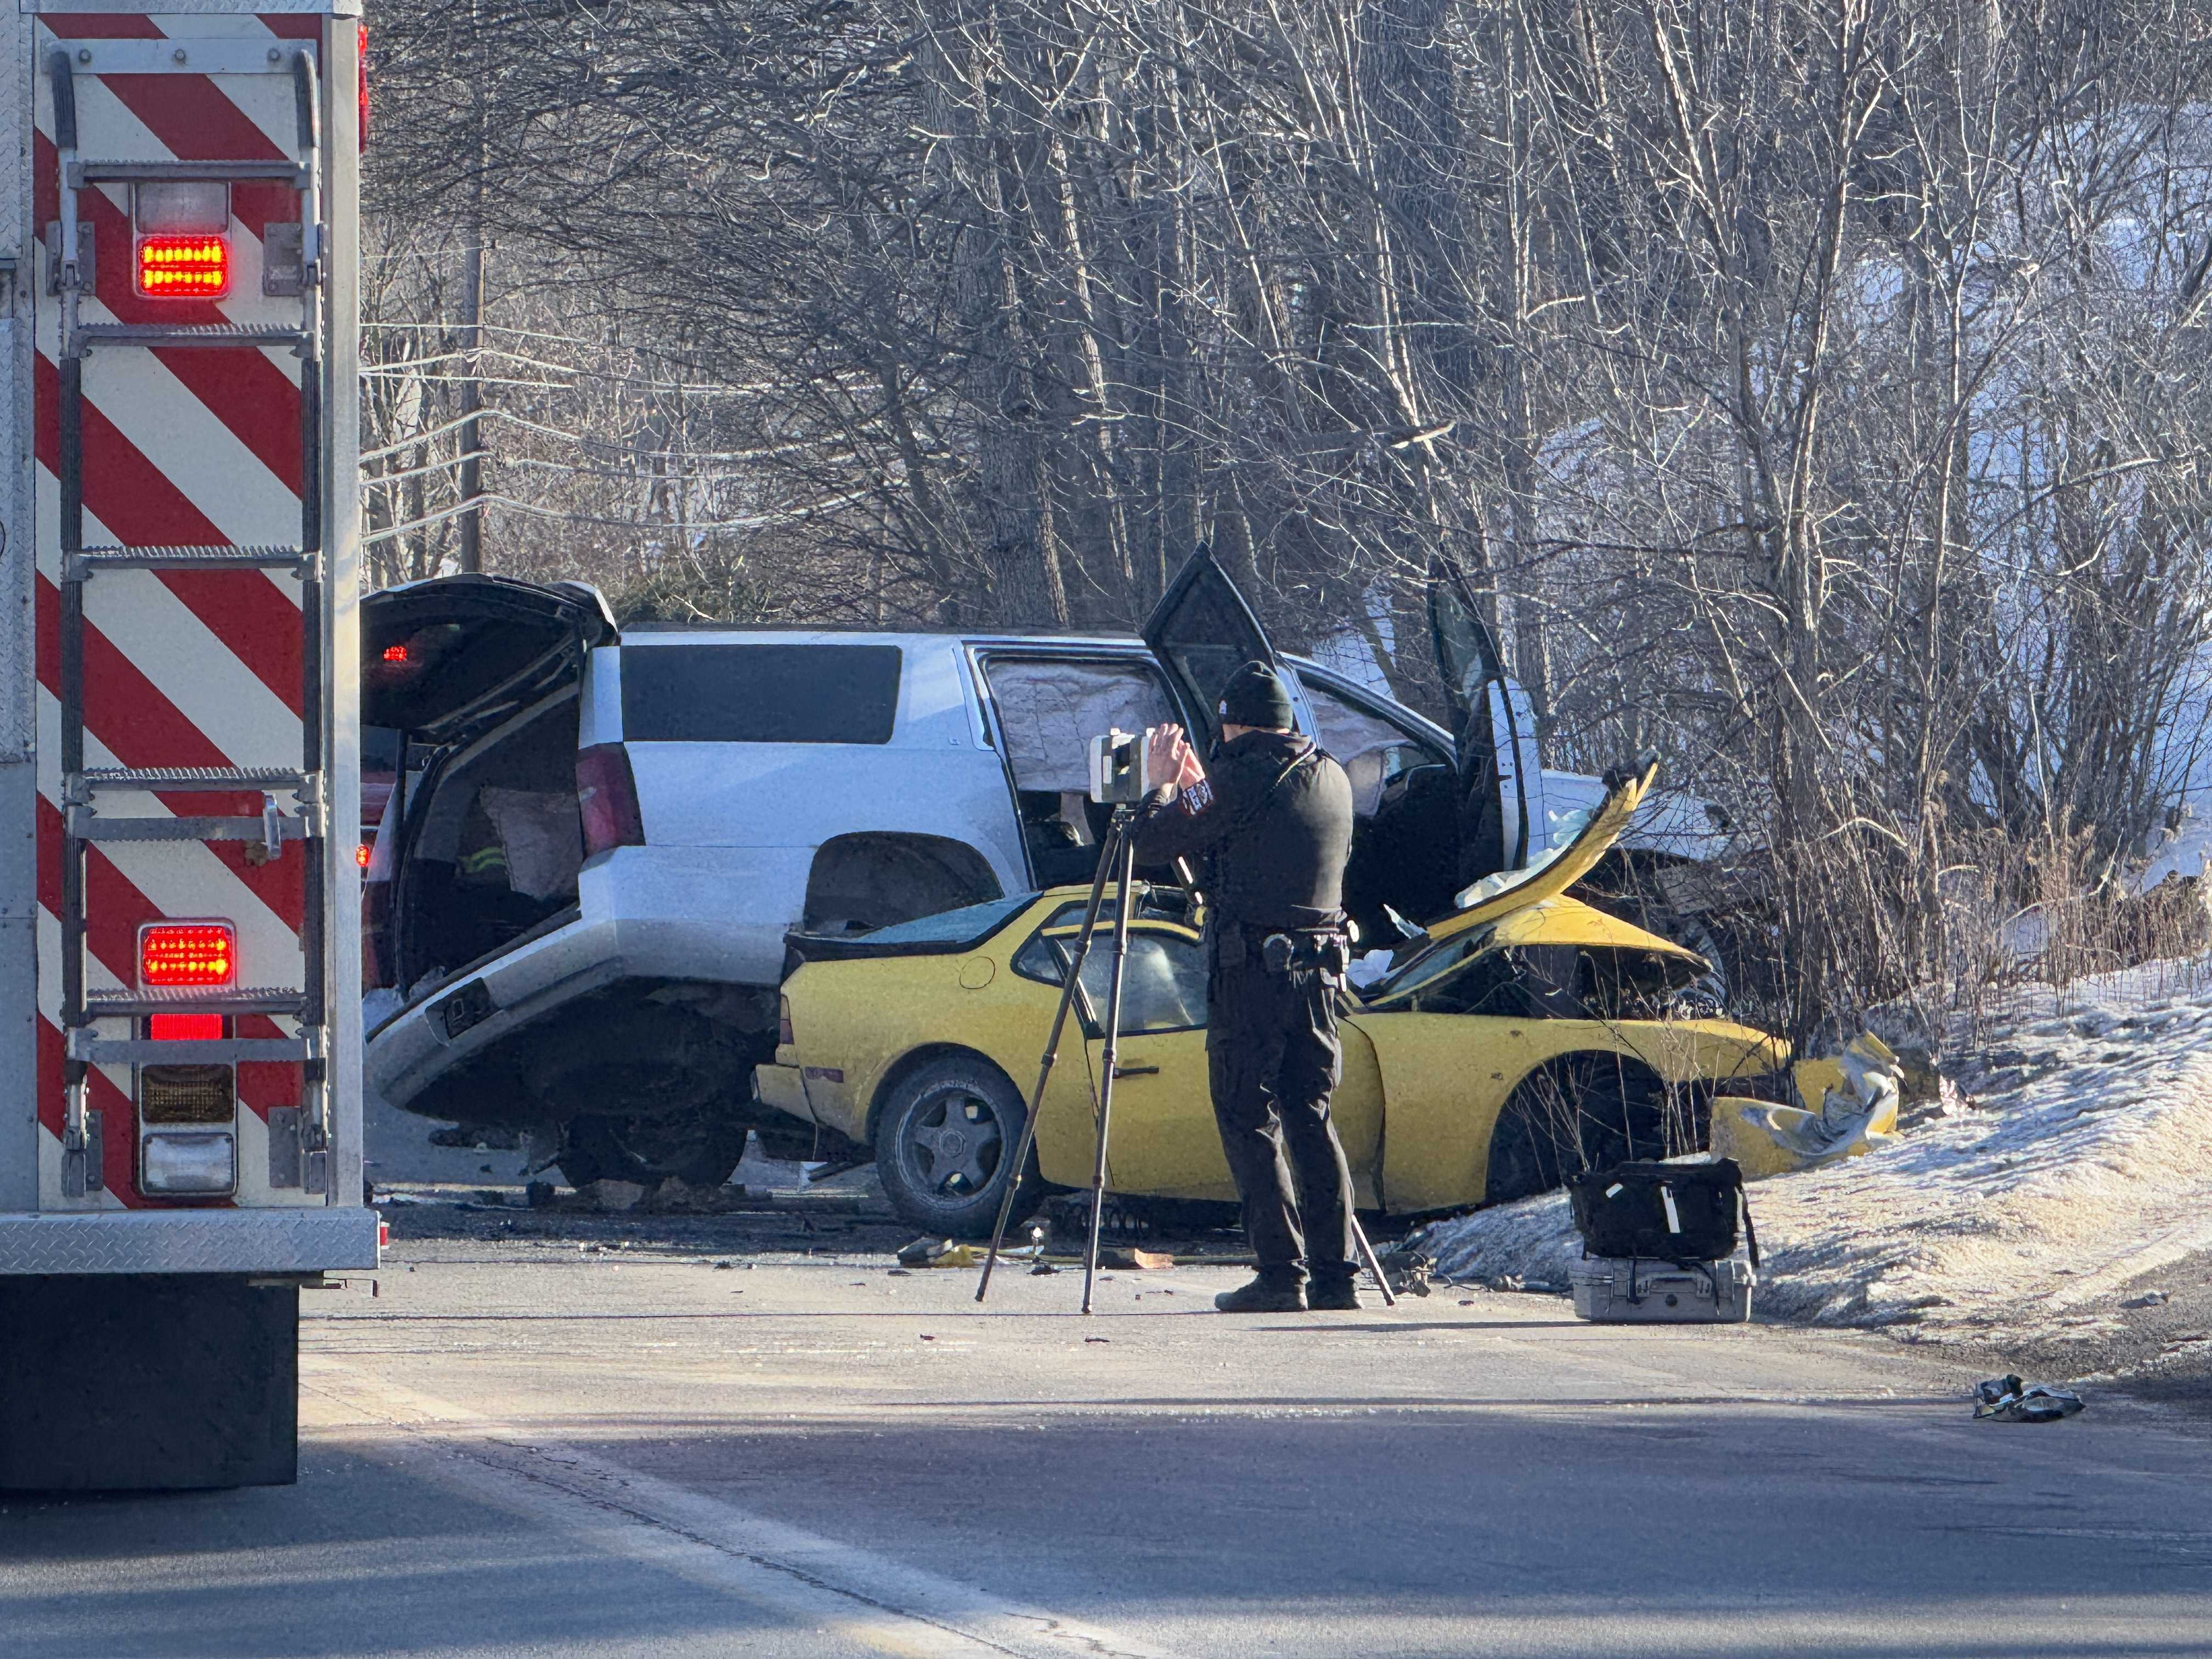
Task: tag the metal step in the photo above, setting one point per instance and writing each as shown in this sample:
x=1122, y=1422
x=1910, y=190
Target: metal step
x=81, y=174
x=197, y=779
x=85, y=824
x=88, y=561
x=155, y=1000
x=208, y=334
x=224, y=1051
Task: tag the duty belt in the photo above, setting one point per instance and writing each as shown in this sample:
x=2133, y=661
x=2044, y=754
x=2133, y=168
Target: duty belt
x=1284, y=949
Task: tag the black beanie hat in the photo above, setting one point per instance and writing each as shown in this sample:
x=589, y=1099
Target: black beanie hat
x=1256, y=696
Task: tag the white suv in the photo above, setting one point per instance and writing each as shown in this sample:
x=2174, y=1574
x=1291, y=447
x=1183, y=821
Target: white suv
x=578, y=898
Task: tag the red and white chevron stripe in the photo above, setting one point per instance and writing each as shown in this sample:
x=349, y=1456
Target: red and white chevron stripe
x=181, y=446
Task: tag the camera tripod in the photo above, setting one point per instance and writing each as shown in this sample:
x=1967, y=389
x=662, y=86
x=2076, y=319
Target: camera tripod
x=1117, y=858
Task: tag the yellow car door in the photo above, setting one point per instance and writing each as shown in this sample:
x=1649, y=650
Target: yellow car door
x=1162, y=1142
x=1162, y=1139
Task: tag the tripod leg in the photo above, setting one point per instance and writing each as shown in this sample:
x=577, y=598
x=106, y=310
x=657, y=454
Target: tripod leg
x=1125, y=876
x=1367, y=1256
x=1071, y=988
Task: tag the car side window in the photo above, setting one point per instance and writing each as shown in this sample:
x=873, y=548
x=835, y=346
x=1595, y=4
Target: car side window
x=1163, y=986
x=1048, y=710
x=1374, y=751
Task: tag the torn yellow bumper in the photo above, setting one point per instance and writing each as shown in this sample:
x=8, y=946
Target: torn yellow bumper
x=1859, y=1093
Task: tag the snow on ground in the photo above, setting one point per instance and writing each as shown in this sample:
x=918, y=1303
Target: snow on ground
x=2082, y=1163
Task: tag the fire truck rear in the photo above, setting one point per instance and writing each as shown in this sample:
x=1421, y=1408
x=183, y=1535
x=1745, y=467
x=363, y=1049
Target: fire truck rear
x=179, y=1130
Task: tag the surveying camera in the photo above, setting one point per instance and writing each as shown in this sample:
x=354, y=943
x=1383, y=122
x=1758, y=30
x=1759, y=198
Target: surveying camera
x=1117, y=769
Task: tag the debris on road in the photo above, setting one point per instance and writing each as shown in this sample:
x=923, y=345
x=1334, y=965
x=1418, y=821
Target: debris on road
x=2007, y=1400
x=1408, y=1271
x=942, y=1253
x=1127, y=1255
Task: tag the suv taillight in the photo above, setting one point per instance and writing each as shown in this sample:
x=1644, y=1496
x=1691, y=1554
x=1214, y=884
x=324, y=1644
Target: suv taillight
x=783, y=1022
x=606, y=793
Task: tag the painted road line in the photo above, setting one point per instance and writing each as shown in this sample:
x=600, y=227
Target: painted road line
x=867, y=1598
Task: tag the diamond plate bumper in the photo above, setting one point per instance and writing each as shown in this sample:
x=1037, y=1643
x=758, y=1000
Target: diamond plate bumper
x=190, y=1241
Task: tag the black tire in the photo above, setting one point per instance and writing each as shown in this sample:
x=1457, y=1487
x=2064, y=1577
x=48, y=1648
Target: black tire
x=1580, y=1113
x=945, y=1144
x=699, y=1148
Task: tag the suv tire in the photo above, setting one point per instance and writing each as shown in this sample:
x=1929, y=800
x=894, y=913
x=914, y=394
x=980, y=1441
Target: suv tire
x=944, y=1146
x=702, y=1150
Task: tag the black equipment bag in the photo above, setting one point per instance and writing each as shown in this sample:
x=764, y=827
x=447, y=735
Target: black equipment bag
x=1680, y=1212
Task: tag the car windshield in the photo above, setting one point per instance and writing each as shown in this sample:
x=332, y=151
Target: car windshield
x=1426, y=963
x=970, y=923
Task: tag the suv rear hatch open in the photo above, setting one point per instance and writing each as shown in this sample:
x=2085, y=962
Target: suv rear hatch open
x=480, y=847
x=445, y=660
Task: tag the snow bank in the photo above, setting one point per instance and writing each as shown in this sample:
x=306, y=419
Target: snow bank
x=2084, y=1161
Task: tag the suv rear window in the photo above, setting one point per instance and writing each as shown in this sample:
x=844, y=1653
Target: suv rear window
x=760, y=693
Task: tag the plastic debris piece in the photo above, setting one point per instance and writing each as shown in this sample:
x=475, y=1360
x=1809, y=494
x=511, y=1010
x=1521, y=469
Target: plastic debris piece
x=2007, y=1399
x=2148, y=1299
x=1408, y=1271
x=1128, y=1257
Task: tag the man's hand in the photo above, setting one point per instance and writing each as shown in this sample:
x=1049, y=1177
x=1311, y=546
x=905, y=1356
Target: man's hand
x=1169, y=759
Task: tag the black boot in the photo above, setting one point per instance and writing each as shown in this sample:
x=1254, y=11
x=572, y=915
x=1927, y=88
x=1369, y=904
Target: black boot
x=1337, y=1295
x=1264, y=1295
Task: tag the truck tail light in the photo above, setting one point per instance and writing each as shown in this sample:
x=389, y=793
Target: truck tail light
x=783, y=1022
x=185, y=1028
x=606, y=793
x=184, y=267
x=187, y=955
x=188, y=1165
x=361, y=82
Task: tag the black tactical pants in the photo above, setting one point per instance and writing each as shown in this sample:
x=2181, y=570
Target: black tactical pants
x=1274, y=1057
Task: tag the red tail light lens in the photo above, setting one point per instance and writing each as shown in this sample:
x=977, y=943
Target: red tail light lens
x=783, y=1022
x=188, y=954
x=185, y=1028
x=606, y=793
x=184, y=267
x=361, y=58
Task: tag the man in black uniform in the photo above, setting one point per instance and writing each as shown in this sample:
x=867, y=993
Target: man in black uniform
x=1272, y=817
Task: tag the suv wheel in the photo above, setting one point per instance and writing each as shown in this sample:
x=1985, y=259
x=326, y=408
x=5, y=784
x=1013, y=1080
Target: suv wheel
x=944, y=1148
x=699, y=1149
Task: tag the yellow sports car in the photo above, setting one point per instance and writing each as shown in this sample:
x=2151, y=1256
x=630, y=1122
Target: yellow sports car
x=1521, y=1039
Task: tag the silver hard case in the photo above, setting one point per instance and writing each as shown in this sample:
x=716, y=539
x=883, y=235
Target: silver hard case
x=1621, y=1290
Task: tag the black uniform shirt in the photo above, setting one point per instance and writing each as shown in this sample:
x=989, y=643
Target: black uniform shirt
x=1271, y=860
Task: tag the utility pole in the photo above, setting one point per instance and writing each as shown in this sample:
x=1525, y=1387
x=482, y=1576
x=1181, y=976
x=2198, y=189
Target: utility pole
x=473, y=296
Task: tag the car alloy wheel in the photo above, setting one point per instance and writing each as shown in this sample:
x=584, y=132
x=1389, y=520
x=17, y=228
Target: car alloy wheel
x=945, y=1144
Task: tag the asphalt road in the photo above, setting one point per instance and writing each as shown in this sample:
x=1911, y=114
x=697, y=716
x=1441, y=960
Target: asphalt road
x=559, y=1445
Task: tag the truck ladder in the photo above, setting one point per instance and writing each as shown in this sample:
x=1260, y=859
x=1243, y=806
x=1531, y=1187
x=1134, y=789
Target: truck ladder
x=84, y=822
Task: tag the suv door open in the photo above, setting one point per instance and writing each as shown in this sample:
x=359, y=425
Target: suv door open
x=1502, y=821
x=1202, y=631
